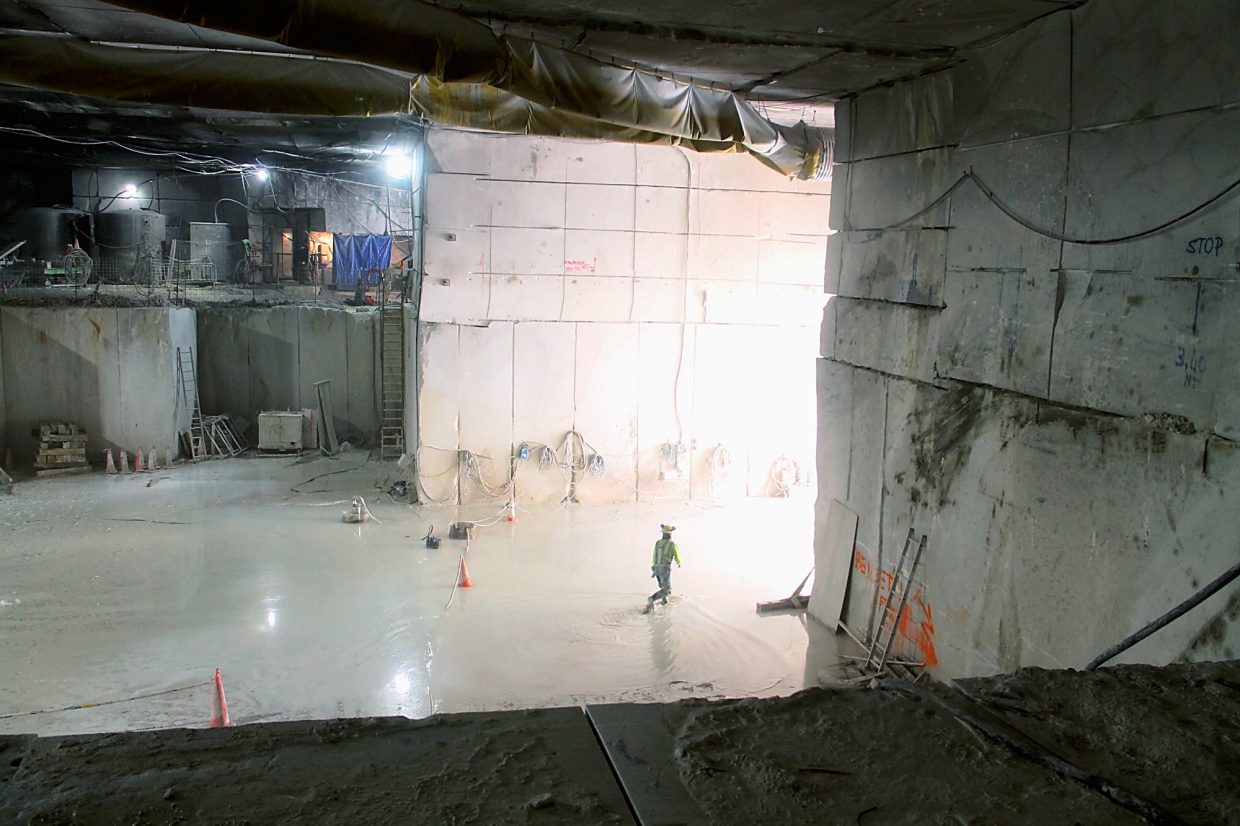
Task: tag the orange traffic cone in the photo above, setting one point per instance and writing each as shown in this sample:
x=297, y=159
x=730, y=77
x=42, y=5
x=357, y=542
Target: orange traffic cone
x=219, y=706
x=124, y=462
x=138, y=467
x=512, y=508
x=152, y=462
x=463, y=576
x=111, y=465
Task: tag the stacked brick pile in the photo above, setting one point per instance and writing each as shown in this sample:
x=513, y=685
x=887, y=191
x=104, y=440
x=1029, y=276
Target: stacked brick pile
x=62, y=450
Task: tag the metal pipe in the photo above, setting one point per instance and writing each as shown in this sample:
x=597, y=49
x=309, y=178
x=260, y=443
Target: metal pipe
x=1167, y=618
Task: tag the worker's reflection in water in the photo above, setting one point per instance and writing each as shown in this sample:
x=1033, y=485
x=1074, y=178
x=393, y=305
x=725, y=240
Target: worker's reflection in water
x=662, y=655
x=665, y=554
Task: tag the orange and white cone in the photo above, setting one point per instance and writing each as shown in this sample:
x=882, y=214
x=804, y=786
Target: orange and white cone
x=152, y=460
x=138, y=465
x=462, y=580
x=111, y=465
x=219, y=706
x=512, y=508
x=124, y=462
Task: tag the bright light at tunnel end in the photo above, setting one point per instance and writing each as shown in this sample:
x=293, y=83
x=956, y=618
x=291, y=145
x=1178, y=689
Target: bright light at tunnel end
x=398, y=167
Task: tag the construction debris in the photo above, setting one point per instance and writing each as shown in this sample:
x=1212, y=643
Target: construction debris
x=61, y=451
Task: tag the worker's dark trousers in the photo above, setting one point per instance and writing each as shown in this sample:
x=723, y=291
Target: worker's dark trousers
x=663, y=575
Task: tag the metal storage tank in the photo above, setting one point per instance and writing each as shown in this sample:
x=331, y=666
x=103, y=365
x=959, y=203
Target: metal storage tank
x=208, y=241
x=128, y=242
x=49, y=232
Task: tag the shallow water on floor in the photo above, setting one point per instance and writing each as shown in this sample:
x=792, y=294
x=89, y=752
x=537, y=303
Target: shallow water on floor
x=111, y=588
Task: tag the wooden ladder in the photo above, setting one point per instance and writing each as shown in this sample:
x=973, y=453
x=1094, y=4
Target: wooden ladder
x=392, y=376
x=189, y=393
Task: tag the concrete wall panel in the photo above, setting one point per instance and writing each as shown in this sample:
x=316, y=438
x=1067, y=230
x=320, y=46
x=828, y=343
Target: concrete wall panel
x=605, y=407
x=527, y=251
x=659, y=255
x=996, y=328
x=663, y=209
x=664, y=403
x=1185, y=159
x=362, y=383
x=598, y=252
x=531, y=159
x=903, y=118
x=439, y=405
x=1015, y=88
x=658, y=299
x=1051, y=431
x=460, y=299
x=527, y=297
x=454, y=257
x=601, y=163
x=110, y=370
x=525, y=204
x=456, y=201
x=323, y=354
x=1134, y=352
x=486, y=369
x=893, y=338
x=544, y=359
x=596, y=206
x=896, y=189
x=598, y=299
x=905, y=266
x=1144, y=58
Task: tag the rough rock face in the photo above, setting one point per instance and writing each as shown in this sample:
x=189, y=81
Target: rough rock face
x=1123, y=745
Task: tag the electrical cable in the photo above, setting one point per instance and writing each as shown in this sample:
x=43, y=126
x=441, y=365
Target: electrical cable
x=295, y=487
x=1011, y=213
x=104, y=702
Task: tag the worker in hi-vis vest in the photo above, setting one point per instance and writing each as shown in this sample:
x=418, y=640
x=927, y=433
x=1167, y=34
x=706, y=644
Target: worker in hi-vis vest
x=665, y=554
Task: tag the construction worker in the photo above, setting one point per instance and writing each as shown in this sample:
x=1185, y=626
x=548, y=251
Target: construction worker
x=665, y=554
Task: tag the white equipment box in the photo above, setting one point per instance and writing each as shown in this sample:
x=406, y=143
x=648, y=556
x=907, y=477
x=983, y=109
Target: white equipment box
x=280, y=430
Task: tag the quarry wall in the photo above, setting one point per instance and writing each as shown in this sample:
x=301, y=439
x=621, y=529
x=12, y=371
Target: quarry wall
x=1053, y=405
x=257, y=359
x=645, y=297
x=111, y=370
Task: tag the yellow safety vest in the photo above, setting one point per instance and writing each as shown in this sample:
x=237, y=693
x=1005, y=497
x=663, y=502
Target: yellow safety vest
x=665, y=553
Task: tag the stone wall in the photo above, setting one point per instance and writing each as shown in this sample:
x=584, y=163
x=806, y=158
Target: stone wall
x=1053, y=406
x=251, y=360
x=111, y=370
x=644, y=296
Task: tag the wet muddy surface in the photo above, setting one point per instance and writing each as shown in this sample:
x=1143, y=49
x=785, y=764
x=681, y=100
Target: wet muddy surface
x=119, y=587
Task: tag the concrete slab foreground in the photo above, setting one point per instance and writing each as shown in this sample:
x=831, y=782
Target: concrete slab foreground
x=538, y=766
x=894, y=754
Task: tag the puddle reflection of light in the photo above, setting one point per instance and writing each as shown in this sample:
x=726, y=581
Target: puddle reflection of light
x=400, y=684
x=271, y=619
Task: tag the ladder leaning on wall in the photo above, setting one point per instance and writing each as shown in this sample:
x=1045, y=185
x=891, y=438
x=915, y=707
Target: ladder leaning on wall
x=392, y=376
x=189, y=397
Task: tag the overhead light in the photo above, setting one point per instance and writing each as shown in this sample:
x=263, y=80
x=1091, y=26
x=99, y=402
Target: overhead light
x=261, y=173
x=130, y=191
x=398, y=167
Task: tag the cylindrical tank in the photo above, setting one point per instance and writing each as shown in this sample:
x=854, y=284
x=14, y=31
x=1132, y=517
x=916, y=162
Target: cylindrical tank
x=128, y=242
x=50, y=232
x=210, y=243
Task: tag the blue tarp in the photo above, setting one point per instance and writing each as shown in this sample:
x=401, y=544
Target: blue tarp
x=356, y=255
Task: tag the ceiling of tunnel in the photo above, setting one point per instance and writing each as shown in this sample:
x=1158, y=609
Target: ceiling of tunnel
x=785, y=56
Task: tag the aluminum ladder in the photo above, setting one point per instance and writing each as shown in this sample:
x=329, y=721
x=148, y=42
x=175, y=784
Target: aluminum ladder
x=901, y=583
x=392, y=376
x=189, y=394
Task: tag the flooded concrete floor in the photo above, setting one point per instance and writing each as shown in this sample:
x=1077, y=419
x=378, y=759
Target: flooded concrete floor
x=115, y=587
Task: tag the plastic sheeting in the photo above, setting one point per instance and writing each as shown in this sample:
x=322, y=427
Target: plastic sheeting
x=354, y=256
x=454, y=71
